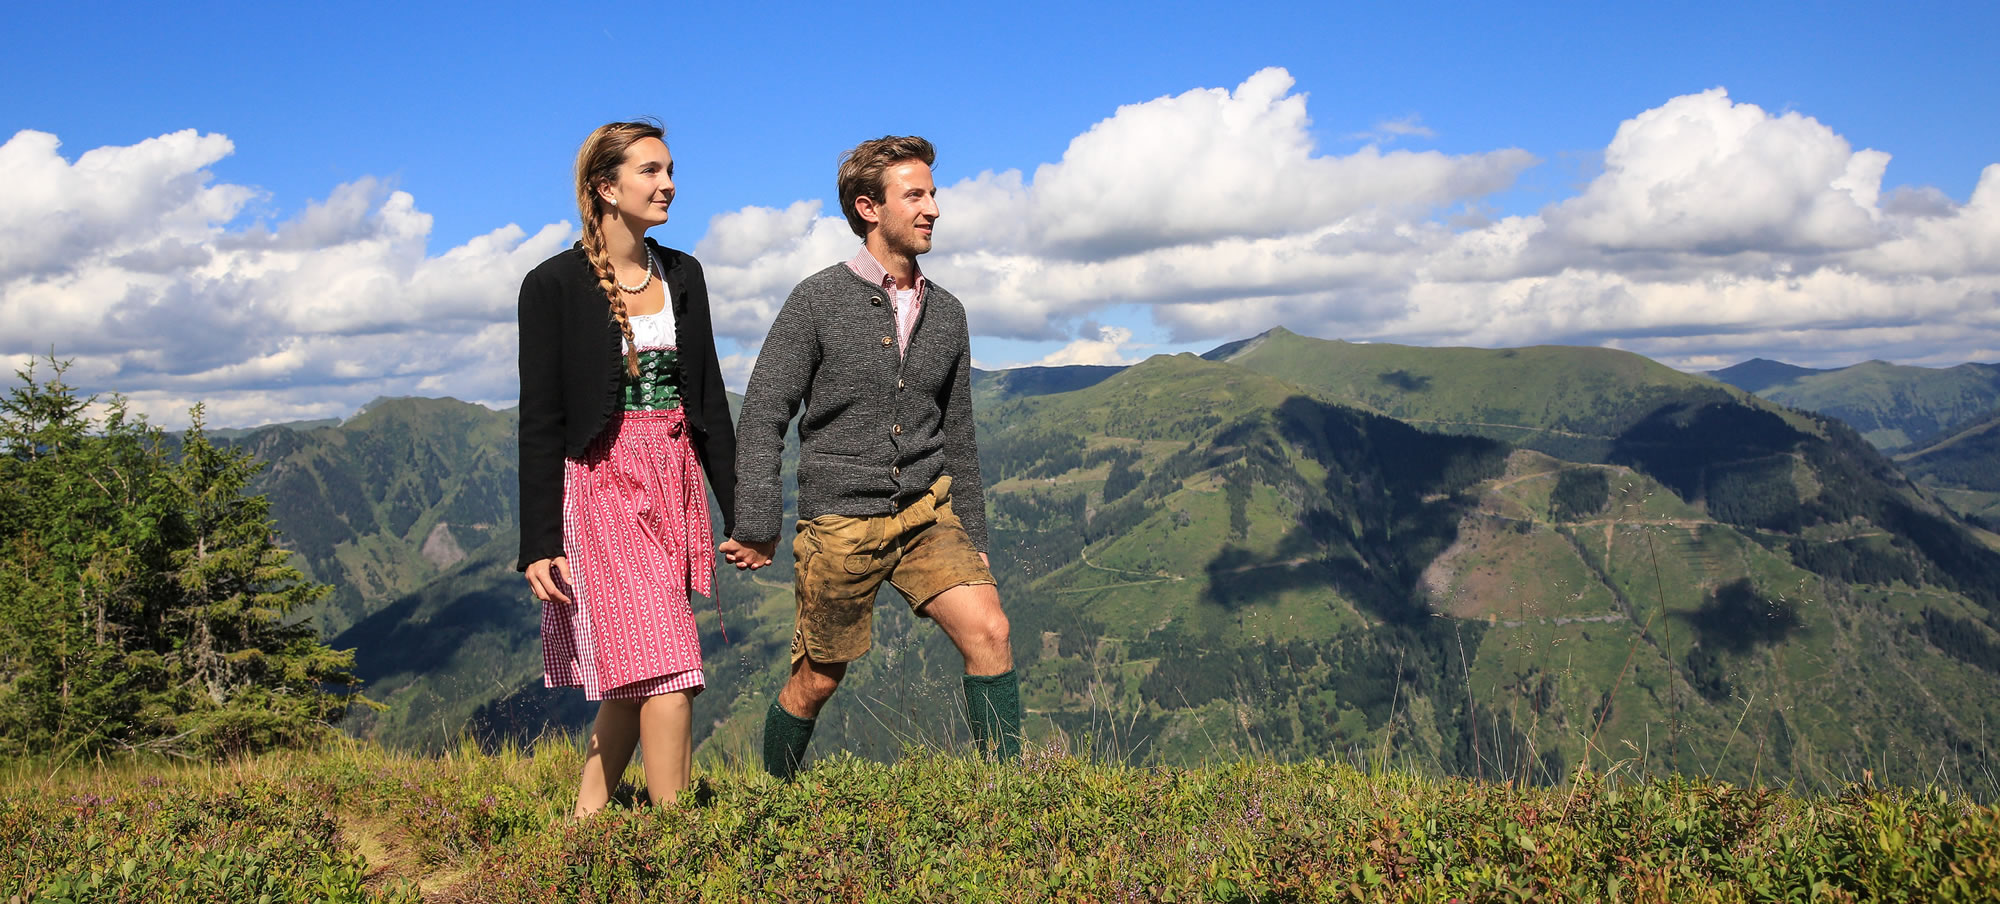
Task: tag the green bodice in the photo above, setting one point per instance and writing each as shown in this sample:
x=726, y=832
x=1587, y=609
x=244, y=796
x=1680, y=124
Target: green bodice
x=658, y=385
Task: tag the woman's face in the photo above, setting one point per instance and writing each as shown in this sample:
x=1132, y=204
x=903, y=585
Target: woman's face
x=645, y=184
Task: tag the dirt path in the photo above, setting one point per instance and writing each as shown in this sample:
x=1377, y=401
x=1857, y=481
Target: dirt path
x=1565, y=620
x=1520, y=427
x=1151, y=578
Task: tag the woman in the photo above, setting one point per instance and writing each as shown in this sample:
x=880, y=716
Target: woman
x=622, y=410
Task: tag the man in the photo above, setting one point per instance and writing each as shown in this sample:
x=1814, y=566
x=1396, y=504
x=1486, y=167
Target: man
x=889, y=484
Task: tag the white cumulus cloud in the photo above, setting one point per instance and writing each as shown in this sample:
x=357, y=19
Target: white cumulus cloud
x=1716, y=230
x=1702, y=173
x=125, y=259
x=1107, y=346
x=1200, y=195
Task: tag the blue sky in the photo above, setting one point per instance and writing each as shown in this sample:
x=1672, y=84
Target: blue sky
x=374, y=150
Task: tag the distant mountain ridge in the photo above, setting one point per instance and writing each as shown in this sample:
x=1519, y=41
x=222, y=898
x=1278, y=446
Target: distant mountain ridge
x=1481, y=561
x=230, y=434
x=1569, y=401
x=1894, y=406
x=1758, y=374
x=989, y=386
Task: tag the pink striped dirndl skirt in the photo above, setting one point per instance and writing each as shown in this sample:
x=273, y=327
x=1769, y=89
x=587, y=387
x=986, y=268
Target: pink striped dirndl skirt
x=636, y=532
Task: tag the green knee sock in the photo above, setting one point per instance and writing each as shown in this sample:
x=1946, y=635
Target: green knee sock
x=785, y=740
x=993, y=707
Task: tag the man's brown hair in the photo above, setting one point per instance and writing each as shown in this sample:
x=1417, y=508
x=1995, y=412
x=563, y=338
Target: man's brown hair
x=861, y=171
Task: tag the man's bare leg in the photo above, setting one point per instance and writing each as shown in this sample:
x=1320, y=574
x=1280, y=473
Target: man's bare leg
x=788, y=726
x=971, y=616
x=811, y=685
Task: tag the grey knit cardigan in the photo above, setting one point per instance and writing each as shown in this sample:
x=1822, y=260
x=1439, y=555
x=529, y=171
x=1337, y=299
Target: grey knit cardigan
x=878, y=427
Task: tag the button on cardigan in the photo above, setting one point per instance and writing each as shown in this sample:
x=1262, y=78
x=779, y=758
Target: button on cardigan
x=571, y=372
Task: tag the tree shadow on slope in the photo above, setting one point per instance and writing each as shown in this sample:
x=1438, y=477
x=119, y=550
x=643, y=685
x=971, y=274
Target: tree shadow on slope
x=1737, y=619
x=1404, y=380
x=1684, y=444
x=1390, y=502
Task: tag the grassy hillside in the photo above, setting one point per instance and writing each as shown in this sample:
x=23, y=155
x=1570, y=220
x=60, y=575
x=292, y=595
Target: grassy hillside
x=360, y=824
x=1892, y=405
x=1965, y=458
x=1939, y=421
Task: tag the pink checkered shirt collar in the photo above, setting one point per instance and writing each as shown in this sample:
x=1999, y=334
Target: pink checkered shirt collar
x=867, y=267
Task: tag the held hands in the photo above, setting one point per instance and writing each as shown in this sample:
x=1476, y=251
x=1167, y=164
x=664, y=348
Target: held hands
x=747, y=555
x=543, y=577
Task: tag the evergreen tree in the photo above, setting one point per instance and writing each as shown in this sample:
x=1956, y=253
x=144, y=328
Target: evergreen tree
x=143, y=596
x=72, y=573
x=239, y=675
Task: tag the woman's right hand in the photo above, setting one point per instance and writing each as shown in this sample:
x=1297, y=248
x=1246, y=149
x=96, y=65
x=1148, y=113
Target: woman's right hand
x=747, y=555
x=543, y=575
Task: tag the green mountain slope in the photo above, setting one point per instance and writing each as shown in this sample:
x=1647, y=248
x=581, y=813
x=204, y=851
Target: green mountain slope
x=1891, y=405
x=1963, y=469
x=1306, y=577
x=1203, y=560
x=390, y=498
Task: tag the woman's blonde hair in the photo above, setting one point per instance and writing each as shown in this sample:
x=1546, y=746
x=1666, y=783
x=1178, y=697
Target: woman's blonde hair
x=597, y=163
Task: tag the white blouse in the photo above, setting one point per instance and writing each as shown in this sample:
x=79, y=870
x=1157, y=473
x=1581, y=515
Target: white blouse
x=653, y=331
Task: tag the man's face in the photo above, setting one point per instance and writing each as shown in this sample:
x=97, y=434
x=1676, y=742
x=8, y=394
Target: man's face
x=908, y=209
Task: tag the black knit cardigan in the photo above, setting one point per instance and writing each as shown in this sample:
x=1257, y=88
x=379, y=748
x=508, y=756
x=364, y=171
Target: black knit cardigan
x=570, y=377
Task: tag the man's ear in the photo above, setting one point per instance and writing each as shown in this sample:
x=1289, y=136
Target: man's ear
x=865, y=206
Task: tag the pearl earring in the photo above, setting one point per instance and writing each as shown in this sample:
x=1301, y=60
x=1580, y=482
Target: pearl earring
x=614, y=201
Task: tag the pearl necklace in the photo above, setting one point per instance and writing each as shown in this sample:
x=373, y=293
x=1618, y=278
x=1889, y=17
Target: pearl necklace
x=652, y=264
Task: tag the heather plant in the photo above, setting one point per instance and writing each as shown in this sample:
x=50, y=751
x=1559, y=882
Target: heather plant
x=357, y=823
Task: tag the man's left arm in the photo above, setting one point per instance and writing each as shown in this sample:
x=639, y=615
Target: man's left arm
x=961, y=451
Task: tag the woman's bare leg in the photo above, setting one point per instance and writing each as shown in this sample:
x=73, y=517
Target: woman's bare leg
x=666, y=731
x=612, y=738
